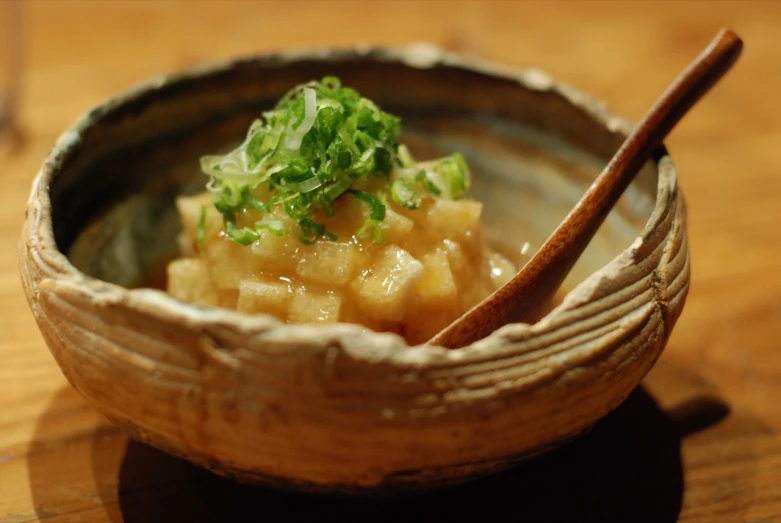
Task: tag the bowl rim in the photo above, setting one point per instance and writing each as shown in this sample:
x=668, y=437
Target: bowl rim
x=39, y=242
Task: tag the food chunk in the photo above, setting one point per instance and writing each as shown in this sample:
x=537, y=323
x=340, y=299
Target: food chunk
x=188, y=281
x=190, y=208
x=436, y=283
x=275, y=252
x=314, y=307
x=328, y=262
x=228, y=263
x=453, y=218
x=397, y=226
x=258, y=296
x=384, y=289
x=459, y=263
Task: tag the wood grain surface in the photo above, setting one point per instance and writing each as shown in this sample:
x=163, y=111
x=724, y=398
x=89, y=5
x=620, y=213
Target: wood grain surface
x=700, y=441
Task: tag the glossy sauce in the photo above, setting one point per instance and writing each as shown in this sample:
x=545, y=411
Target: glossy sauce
x=433, y=266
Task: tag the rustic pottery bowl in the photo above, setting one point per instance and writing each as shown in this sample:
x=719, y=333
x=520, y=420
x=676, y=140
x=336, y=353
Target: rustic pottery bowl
x=335, y=408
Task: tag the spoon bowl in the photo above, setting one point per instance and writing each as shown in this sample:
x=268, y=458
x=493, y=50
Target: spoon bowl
x=335, y=408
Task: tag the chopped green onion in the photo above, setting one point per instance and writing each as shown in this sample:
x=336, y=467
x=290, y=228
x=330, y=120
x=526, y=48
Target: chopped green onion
x=455, y=175
x=243, y=236
x=276, y=227
x=326, y=203
x=311, y=231
x=405, y=157
x=295, y=133
x=403, y=192
x=307, y=185
x=376, y=207
x=337, y=189
x=200, y=230
x=422, y=178
x=372, y=229
x=320, y=141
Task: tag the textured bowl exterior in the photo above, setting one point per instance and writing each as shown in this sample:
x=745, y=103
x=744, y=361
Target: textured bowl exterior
x=340, y=409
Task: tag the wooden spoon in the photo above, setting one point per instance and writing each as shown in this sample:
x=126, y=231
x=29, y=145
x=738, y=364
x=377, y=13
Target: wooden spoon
x=523, y=297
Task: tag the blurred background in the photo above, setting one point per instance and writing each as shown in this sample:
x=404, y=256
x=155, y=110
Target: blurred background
x=60, y=58
x=77, y=53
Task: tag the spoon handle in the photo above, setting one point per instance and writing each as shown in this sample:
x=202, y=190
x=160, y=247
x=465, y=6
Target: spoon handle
x=524, y=296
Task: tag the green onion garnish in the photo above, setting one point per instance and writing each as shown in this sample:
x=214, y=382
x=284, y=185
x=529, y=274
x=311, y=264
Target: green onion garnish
x=200, y=230
x=321, y=141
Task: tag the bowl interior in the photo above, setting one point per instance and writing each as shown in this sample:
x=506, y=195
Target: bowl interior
x=532, y=153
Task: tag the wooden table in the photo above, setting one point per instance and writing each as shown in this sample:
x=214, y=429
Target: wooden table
x=699, y=441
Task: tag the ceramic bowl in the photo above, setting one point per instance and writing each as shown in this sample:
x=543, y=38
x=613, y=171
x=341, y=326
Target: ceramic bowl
x=336, y=408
